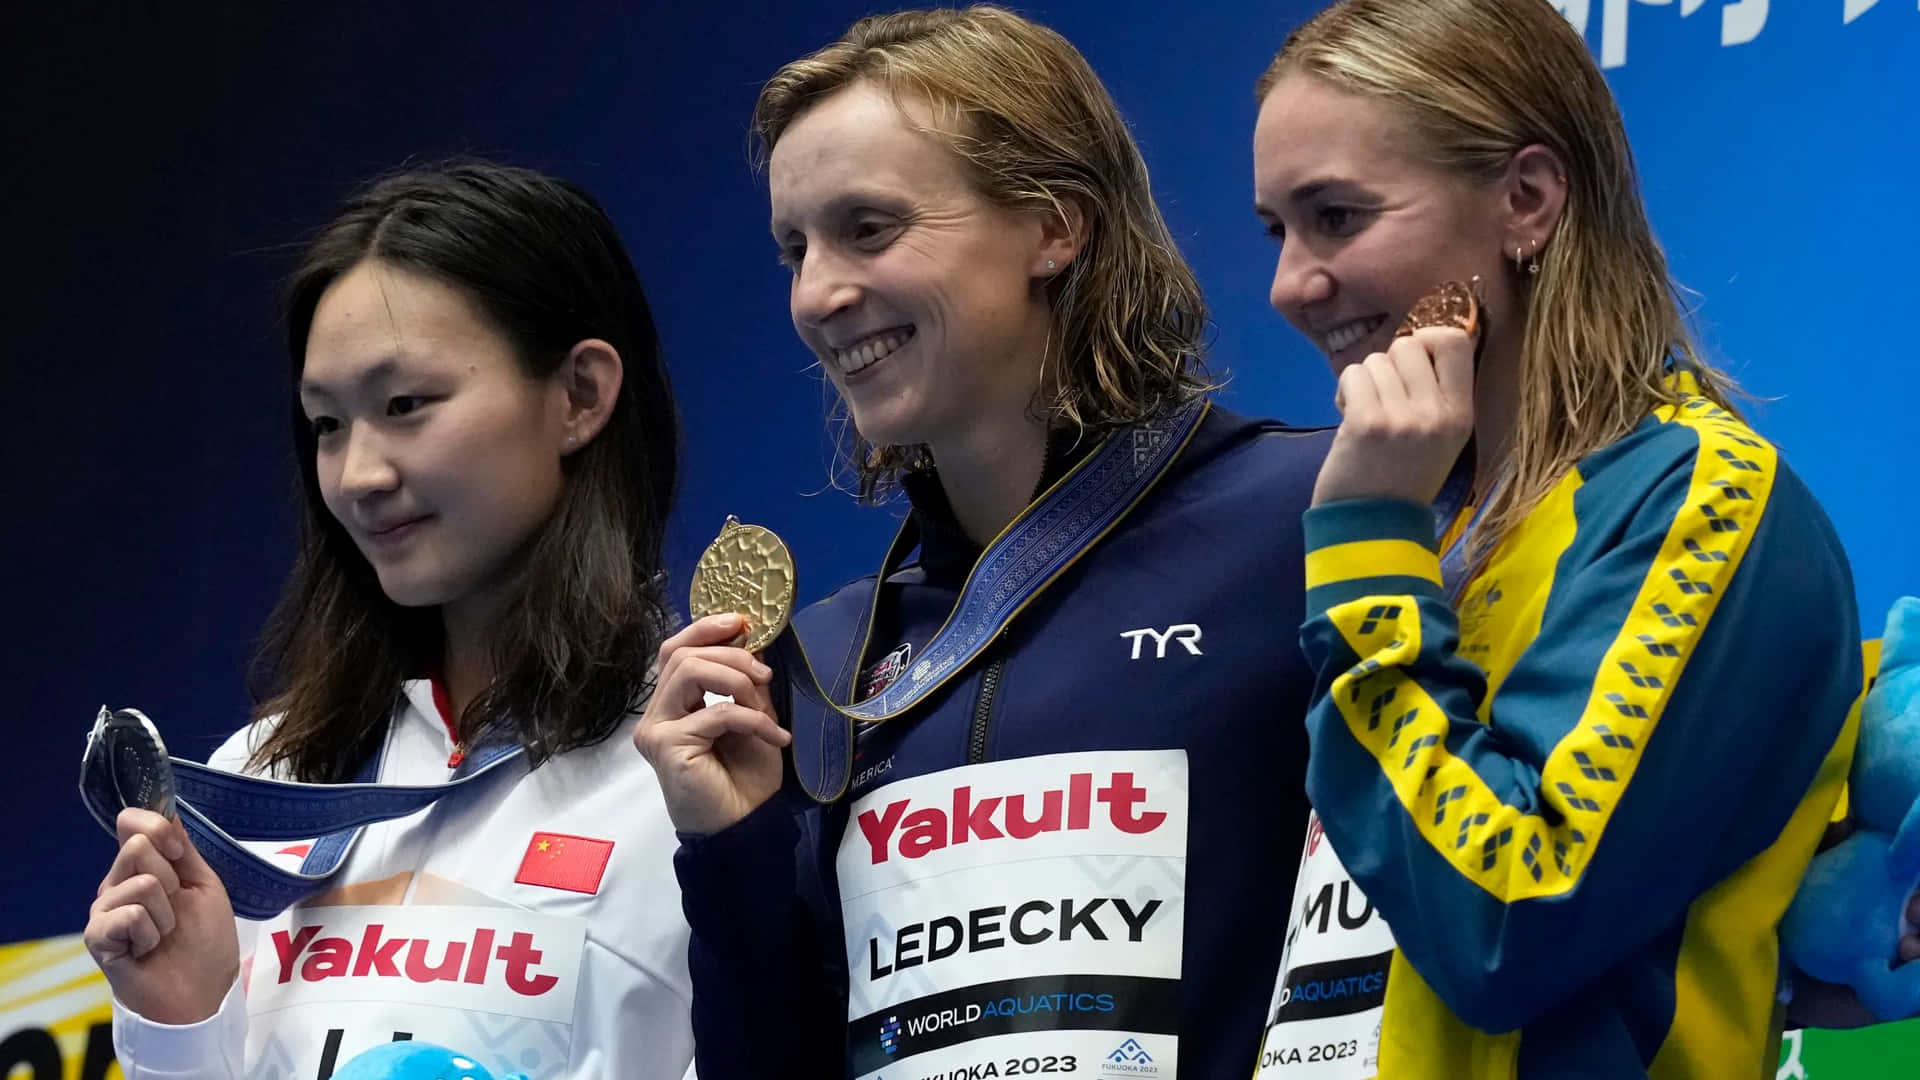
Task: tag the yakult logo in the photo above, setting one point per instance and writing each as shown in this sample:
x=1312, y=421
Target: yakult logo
x=416, y=959
x=912, y=832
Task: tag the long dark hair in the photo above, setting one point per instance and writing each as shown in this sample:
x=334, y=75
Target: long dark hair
x=573, y=652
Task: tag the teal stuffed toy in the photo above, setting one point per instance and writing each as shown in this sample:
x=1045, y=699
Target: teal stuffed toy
x=415, y=1061
x=1850, y=912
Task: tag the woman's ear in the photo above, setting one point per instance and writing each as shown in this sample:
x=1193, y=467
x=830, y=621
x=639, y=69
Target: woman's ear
x=590, y=378
x=1534, y=197
x=1063, y=232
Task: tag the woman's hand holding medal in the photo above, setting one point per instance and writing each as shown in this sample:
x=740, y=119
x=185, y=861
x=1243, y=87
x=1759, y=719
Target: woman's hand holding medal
x=718, y=762
x=161, y=927
x=1408, y=412
x=709, y=730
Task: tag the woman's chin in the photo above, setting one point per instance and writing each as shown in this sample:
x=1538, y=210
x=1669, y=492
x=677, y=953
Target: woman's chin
x=413, y=592
x=886, y=427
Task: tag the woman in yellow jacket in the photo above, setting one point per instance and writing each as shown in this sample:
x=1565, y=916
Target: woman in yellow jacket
x=1586, y=646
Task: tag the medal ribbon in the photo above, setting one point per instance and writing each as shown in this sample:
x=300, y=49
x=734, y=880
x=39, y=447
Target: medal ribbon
x=1032, y=552
x=219, y=809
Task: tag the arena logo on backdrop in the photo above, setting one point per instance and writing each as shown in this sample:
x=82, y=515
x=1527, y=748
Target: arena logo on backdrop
x=1741, y=21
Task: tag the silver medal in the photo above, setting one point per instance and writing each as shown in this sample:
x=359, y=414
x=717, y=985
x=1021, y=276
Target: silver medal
x=127, y=747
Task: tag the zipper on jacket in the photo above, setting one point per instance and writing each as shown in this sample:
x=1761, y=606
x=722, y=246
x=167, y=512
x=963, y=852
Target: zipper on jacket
x=990, y=677
x=983, y=711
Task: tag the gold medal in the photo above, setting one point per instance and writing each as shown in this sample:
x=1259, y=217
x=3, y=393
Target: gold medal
x=747, y=570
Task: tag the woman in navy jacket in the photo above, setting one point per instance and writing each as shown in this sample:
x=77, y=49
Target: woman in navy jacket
x=1079, y=695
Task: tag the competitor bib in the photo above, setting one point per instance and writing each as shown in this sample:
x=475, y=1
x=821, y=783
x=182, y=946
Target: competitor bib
x=497, y=983
x=1324, y=1022
x=1018, y=918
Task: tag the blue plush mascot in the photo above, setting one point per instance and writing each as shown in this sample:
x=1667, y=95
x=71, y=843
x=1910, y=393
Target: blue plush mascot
x=415, y=1061
x=1850, y=912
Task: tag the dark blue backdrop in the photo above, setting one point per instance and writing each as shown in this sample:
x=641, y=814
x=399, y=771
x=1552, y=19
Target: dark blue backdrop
x=164, y=160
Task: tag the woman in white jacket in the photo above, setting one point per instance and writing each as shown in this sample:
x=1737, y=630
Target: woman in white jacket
x=487, y=443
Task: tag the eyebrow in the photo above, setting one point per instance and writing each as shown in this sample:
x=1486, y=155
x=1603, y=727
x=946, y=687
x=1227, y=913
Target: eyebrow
x=1313, y=189
x=1304, y=193
x=1310, y=191
x=842, y=204
x=379, y=372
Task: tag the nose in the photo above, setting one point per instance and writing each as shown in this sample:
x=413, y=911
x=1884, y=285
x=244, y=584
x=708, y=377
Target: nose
x=823, y=287
x=365, y=466
x=1300, y=280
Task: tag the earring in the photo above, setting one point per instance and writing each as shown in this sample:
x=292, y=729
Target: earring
x=1049, y=264
x=1522, y=262
x=570, y=440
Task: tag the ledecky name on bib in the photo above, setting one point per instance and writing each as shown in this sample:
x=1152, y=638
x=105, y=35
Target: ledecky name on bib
x=1324, y=1022
x=1018, y=917
x=497, y=983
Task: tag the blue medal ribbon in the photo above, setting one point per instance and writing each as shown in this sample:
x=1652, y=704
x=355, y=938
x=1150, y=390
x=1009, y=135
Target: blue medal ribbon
x=1447, y=507
x=1034, y=550
x=220, y=809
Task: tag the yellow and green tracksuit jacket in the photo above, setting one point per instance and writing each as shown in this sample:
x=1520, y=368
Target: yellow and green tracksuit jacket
x=1583, y=793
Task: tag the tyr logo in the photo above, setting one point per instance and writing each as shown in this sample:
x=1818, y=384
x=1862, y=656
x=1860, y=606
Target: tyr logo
x=1187, y=634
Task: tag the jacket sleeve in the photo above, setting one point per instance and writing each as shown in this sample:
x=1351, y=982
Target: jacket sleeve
x=769, y=984
x=1694, y=664
x=213, y=1049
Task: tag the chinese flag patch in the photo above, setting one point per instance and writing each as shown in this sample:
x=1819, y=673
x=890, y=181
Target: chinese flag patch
x=559, y=861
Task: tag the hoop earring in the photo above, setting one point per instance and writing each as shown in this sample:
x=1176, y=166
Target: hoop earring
x=1522, y=262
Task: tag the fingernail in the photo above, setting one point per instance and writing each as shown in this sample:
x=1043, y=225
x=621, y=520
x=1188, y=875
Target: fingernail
x=173, y=847
x=762, y=670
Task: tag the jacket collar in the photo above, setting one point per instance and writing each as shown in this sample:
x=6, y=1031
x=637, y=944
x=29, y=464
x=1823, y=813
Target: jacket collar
x=947, y=553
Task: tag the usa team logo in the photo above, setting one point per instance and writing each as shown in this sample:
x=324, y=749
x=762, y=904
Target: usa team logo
x=891, y=667
x=890, y=1035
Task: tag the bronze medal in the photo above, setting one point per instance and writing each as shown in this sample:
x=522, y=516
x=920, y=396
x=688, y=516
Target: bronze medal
x=1451, y=303
x=748, y=571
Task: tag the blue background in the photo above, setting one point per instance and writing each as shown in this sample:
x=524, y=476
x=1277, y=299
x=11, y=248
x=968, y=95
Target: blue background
x=164, y=163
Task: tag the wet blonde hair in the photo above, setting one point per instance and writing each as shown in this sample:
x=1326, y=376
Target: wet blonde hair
x=1036, y=131
x=1474, y=82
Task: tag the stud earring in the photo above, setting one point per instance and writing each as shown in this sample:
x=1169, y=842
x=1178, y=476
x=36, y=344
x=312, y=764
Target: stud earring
x=1049, y=264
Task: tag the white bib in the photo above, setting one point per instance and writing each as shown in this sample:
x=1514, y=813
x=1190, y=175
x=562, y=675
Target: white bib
x=1018, y=918
x=1324, y=1022
x=496, y=983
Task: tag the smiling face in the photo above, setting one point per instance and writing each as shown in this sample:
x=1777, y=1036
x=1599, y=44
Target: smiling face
x=917, y=295
x=435, y=451
x=1365, y=227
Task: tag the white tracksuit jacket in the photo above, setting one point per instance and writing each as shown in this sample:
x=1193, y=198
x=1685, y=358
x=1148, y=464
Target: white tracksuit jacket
x=529, y=920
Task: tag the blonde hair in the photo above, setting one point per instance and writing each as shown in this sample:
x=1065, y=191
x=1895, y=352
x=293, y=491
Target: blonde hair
x=1476, y=81
x=1036, y=131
